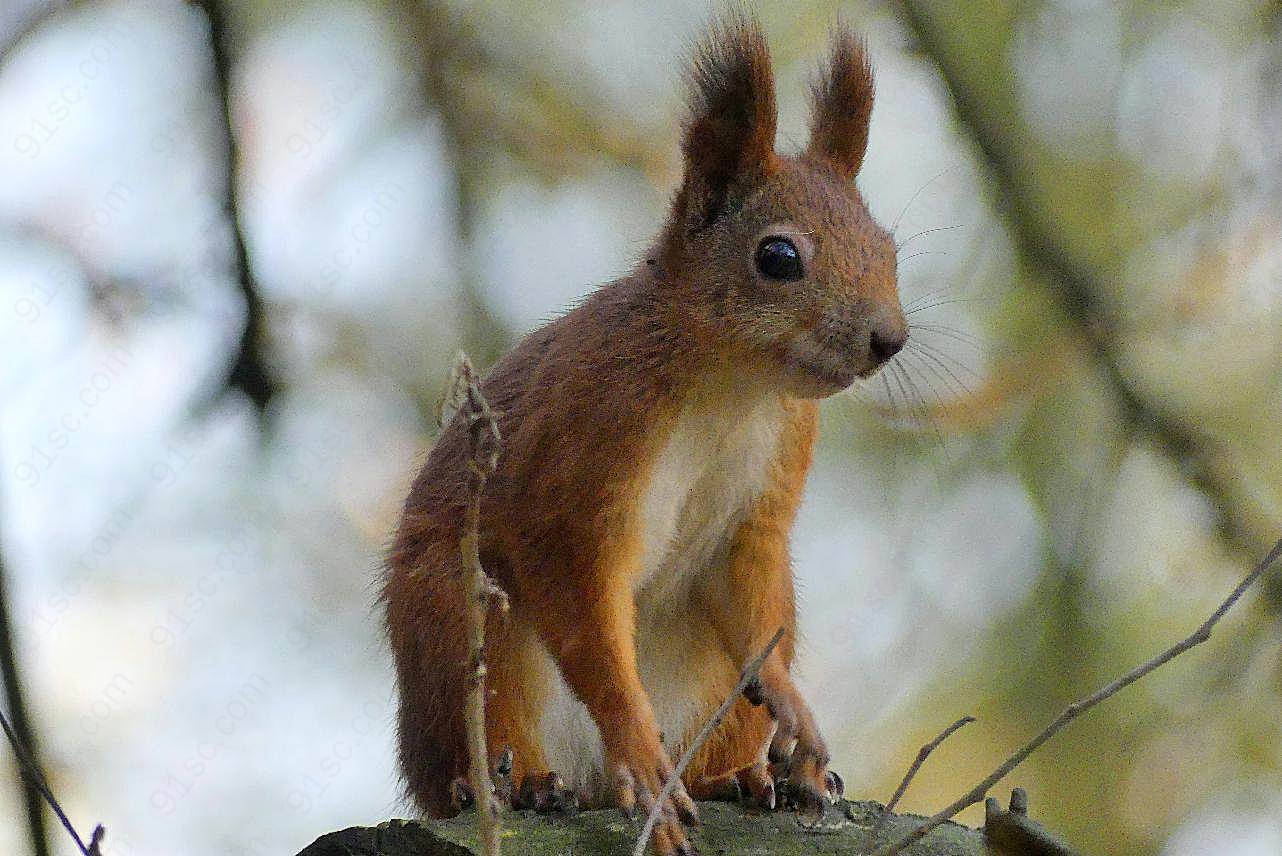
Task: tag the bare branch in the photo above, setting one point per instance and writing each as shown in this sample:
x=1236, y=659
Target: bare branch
x=249, y=370
x=750, y=672
x=36, y=783
x=922, y=755
x=95, y=841
x=28, y=22
x=21, y=734
x=483, y=447
x=1079, y=707
x=1078, y=292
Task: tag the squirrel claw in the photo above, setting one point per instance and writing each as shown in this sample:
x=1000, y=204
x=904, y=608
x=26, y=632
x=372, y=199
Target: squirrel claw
x=545, y=793
x=756, y=783
x=461, y=793
x=836, y=788
x=810, y=788
x=638, y=788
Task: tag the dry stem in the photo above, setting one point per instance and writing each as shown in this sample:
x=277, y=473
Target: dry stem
x=483, y=446
x=750, y=672
x=922, y=755
x=95, y=841
x=1079, y=707
x=32, y=773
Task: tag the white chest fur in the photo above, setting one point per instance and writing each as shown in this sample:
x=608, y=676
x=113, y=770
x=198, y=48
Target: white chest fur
x=713, y=466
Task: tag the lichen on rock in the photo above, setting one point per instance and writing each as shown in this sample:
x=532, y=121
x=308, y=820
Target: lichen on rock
x=848, y=829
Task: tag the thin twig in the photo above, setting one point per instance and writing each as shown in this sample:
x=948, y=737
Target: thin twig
x=21, y=734
x=95, y=841
x=922, y=755
x=483, y=448
x=750, y=672
x=36, y=780
x=1079, y=707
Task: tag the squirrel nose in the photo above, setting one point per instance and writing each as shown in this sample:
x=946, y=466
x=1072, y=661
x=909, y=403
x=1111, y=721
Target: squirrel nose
x=884, y=344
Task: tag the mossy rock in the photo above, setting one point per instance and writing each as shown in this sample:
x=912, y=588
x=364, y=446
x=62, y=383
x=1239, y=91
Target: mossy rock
x=728, y=830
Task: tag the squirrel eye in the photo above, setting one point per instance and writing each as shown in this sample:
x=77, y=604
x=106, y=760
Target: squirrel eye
x=777, y=258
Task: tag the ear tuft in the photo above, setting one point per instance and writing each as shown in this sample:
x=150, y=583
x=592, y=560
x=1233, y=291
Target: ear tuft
x=730, y=133
x=842, y=105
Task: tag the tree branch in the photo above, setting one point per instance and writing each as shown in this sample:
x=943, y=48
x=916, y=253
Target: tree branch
x=1076, y=290
x=20, y=734
x=1079, y=707
x=249, y=370
x=35, y=779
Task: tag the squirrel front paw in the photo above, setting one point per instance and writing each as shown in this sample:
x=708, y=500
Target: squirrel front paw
x=806, y=785
x=638, y=784
x=797, y=754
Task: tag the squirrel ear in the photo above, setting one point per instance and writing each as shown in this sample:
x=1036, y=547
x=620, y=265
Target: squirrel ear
x=842, y=105
x=729, y=140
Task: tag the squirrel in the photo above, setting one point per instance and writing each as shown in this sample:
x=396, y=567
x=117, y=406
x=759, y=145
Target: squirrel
x=655, y=442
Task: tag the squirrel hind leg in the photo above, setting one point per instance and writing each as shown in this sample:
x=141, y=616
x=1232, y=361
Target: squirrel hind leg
x=516, y=691
x=519, y=683
x=734, y=758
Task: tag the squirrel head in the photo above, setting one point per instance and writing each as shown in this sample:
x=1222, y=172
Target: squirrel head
x=776, y=259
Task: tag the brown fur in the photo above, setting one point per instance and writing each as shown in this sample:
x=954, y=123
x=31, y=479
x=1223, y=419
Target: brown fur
x=841, y=105
x=586, y=405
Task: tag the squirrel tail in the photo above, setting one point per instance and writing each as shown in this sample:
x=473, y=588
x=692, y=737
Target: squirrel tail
x=426, y=625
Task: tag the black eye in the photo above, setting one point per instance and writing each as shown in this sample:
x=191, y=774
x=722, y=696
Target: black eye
x=777, y=258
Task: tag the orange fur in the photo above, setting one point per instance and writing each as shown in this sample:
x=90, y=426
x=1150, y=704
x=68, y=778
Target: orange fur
x=754, y=598
x=655, y=444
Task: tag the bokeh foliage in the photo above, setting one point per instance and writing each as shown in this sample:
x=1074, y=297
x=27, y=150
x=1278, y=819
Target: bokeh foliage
x=1087, y=198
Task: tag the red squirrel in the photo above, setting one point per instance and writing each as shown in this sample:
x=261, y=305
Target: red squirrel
x=655, y=441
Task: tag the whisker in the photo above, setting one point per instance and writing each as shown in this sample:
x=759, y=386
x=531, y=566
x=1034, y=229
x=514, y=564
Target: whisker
x=923, y=412
x=915, y=403
x=890, y=395
x=955, y=385
x=949, y=332
x=921, y=298
x=908, y=411
x=943, y=356
x=930, y=386
x=894, y=462
x=947, y=302
x=859, y=394
x=940, y=441
x=911, y=238
x=895, y=226
x=921, y=253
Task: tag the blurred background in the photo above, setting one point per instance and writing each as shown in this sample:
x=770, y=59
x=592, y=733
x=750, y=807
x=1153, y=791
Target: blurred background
x=240, y=242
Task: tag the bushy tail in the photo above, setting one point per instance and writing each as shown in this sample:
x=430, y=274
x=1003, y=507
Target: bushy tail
x=426, y=627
